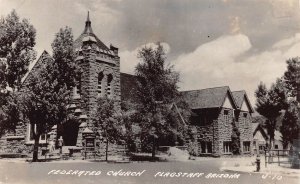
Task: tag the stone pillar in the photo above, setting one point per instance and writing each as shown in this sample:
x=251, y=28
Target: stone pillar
x=82, y=126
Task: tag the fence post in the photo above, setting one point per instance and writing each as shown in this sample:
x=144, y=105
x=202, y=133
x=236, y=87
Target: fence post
x=278, y=157
x=265, y=158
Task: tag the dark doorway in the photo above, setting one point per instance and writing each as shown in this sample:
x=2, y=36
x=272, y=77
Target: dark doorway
x=70, y=133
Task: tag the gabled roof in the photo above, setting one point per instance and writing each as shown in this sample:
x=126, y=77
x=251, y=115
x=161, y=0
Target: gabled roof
x=45, y=57
x=254, y=126
x=257, y=127
x=208, y=98
x=277, y=135
x=240, y=97
x=89, y=35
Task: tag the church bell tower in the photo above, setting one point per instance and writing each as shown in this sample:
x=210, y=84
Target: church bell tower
x=99, y=76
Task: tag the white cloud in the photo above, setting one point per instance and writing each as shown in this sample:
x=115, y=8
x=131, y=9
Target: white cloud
x=211, y=62
x=224, y=62
x=129, y=59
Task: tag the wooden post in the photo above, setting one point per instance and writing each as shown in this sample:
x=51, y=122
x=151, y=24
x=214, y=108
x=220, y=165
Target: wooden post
x=278, y=157
x=265, y=158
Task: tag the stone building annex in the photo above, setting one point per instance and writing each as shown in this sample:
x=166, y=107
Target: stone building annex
x=215, y=110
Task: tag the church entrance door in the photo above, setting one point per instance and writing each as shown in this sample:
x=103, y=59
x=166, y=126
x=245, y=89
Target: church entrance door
x=70, y=133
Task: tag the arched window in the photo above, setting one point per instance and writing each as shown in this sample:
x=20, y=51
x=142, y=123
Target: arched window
x=77, y=88
x=108, y=86
x=100, y=83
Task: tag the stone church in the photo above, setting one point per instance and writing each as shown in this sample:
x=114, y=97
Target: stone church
x=100, y=77
x=214, y=109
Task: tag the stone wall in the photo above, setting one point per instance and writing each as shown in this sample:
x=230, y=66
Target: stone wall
x=14, y=144
x=207, y=133
x=93, y=62
x=218, y=131
x=224, y=128
x=245, y=127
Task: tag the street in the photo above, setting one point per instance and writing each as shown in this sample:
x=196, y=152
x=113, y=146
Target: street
x=204, y=171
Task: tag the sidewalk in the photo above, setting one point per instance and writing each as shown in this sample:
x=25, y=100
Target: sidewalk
x=249, y=166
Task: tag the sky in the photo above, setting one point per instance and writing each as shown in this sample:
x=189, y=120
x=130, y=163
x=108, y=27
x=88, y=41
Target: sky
x=235, y=43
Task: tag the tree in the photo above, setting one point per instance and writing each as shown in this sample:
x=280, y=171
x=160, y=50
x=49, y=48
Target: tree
x=63, y=54
x=130, y=130
x=43, y=104
x=66, y=70
x=9, y=112
x=157, y=91
x=106, y=122
x=17, y=39
x=270, y=103
x=292, y=78
x=47, y=92
x=290, y=128
x=290, y=125
x=157, y=82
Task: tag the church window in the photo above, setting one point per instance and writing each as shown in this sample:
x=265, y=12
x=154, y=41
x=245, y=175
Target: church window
x=100, y=84
x=43, y=137
x=109, y=87
x=77, y=88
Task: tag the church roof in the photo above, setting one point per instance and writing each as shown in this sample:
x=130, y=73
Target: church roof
x=207, y=98
x=88, y=35
x=43, y=59
x=240, y=97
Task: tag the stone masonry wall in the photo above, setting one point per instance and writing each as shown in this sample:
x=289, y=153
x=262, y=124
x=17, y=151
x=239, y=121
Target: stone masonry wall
x=207, y=134
x=245, y=127
x=224, y=128
x=92, y=63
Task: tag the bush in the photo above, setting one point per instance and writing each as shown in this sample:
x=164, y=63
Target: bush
x=192, y=148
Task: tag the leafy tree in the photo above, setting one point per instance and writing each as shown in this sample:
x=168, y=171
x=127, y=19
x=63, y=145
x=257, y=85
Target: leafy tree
x=157, y=82
x=106, y=122
x=42, y=103
x=9, y=112
x=290, y=125
x=63, y=54
x=157, y=91
x=66, y=70
x=269, y=104
x=47, y=92
x=292, y=78
x=17, y=39
x=130, y=130
x=10, y=115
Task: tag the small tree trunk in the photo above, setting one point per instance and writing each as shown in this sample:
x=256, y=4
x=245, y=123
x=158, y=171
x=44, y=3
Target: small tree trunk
x=153, y=148
x=106, y=149
x=36, y=148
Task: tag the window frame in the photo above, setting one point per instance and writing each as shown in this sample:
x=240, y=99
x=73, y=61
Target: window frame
x=100, y=91
x=246, y=146
x=109, y=83
x=227, y=149
x=207, y=145
x=30, y=140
